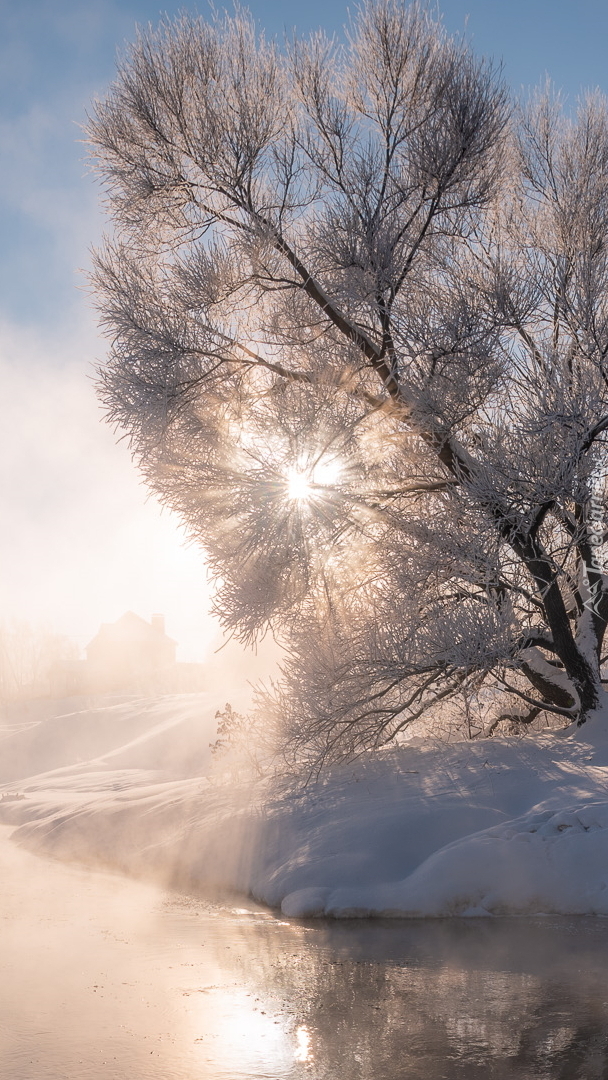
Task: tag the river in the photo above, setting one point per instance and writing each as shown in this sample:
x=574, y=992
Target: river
x=104, y=977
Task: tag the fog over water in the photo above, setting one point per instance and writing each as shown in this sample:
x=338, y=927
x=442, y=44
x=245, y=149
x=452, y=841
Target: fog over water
x=103, y=977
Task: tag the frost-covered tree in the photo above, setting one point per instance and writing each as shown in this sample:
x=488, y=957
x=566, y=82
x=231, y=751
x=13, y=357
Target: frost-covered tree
x=359, y=336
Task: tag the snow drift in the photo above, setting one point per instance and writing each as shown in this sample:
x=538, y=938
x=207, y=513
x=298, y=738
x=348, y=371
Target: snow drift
x=500, y=827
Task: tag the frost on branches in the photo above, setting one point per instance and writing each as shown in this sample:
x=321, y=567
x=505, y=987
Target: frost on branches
x=359, y=333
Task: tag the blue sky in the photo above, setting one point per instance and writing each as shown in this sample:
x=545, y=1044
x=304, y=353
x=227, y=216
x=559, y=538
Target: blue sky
x=55, y=55
x=79, y=541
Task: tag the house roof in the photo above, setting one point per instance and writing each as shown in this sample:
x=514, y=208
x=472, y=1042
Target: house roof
x=130, y=627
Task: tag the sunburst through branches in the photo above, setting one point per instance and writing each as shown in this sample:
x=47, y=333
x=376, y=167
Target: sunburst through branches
x=306, y=481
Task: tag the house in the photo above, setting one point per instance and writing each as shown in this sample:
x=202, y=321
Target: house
x=131, y=654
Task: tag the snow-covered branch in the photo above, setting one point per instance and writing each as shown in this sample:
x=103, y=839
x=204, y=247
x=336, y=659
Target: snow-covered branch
x=358, y=315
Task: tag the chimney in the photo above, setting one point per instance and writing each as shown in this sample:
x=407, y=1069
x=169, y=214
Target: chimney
x=158, y=623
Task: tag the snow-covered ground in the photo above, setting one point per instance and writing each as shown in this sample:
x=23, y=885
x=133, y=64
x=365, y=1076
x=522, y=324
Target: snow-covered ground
x=500, y=826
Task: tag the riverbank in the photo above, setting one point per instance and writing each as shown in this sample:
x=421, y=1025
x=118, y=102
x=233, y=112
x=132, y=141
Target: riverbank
x=494, y=827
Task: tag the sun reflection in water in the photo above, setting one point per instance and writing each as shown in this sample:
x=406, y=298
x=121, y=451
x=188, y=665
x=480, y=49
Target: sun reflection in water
x=303, y=1050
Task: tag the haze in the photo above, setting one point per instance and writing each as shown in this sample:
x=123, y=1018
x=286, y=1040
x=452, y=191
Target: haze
x=80, y=542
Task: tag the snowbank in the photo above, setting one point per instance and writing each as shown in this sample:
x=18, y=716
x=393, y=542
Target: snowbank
x=504, y=826
x=544, y=862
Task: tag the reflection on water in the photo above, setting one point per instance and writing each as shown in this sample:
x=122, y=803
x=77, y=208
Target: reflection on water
x=445, y=999
x=303, y=1050
x=106, y=978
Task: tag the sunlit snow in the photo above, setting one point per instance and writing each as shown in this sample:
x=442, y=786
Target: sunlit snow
x=471, y=828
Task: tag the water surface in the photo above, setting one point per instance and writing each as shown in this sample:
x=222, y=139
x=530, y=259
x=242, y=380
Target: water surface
x=102, y=977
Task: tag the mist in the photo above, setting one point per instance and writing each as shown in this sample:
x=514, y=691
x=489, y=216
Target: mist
x=81, y=541
x=176, y=904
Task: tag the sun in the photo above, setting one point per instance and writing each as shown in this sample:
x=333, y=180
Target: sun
x=298, y=485
x=304, y=481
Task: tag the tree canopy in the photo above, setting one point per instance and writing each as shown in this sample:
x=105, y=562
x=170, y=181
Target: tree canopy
x=358, y=316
